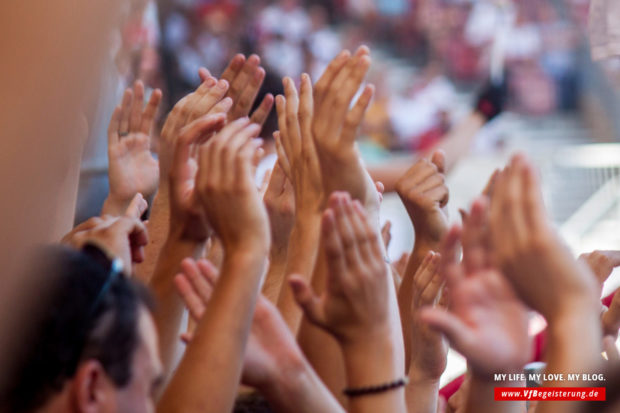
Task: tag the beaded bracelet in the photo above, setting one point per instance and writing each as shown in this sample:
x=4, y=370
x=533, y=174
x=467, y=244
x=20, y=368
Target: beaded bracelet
x=381, y=388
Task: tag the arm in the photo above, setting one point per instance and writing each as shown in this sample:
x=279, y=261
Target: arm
x=186, y=236
x=132, y=167
x=534, y=259
x=298, y=158
x=423, y=191
x=234, y=210
x=429, y=349
x=280, y=206
x=273, y=362
x=355, y=306
x=486, y=322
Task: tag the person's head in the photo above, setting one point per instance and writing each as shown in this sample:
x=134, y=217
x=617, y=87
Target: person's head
x=93, y=345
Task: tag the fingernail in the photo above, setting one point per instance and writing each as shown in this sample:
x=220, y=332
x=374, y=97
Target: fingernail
x=222, y=84
x=210, y=82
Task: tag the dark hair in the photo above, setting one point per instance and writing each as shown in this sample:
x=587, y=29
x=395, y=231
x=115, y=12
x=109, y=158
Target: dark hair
x=251, y=403
x=70, y=329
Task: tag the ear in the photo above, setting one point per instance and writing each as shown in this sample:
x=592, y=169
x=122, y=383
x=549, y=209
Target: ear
x=92, y=389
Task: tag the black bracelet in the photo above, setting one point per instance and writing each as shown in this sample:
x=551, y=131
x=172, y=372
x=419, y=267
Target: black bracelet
x=363, y=391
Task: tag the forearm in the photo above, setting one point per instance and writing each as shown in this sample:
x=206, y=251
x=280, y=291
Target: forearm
x=370, y=362
x=169, y=314
x=208, y=376
x=275, y=274
x=457, y=142
x=421, y=395
x=481, y=398
x=157, y=226
x=405, y=292
x=304, y=392
x=574, y=346
x=301, y=260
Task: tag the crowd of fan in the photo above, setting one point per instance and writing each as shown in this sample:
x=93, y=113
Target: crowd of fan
x=293, y=305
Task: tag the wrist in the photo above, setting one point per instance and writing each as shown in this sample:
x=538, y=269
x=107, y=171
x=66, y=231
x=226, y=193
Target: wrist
x=114, y=206
x=420, y=376
x=371, y=360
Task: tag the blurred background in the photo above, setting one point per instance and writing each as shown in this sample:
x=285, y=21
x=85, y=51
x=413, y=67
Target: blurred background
x=431, y=60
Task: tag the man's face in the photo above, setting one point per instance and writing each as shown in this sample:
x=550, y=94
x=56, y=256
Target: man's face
x=146, y=371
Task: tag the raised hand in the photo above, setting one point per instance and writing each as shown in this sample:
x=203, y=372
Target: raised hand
x=132, y=167
x=533, y=257
x=207, y=99
x=296, y=148
x=188, y=220
x=280, y=203
x=226, y=187
x=245, y=77
x=335, y=126
x=486, y=322
x=354, y=305
x=429, y=349
x=423, y=192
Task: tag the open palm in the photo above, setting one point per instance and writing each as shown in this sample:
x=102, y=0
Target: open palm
x=132, y=167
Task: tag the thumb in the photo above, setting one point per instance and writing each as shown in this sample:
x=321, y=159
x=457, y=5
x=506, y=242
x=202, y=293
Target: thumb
x=307, y=300
x=439, y=159
x=448, y=324
x=136, y=207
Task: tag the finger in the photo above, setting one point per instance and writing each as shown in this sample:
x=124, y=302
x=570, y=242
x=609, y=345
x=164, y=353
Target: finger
x=211, y=93
x=187, y=338
x=307, y=300
x=245, y=168
x=448, y=324
x=450, y=247
x=135, y=117
x=332, y=70
x=203, y=74
x=235, y=144
x=476, y=254
x=261, y=113
x=423, y=276
x=138, y=239
x=430, y=293
x=440, y=194
x=285, y=139
x=534, y=205
x=136, y=207
x=346, y=232
x=348, y=83
x=148, y=116
x=194, y=304
x=334, y=250
x=282, y=156
x=306, y=113
x=488, y=189
x=386, y=235
x=356, y=115
x=439, y=159
x=513, y=202
x=241, y=81
x=208, y=271
x=233, y=68
x=363, y=239
x=248, y=94
x=199, y=282
x=125, y=112
x=114, y=126
x=291, y=116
